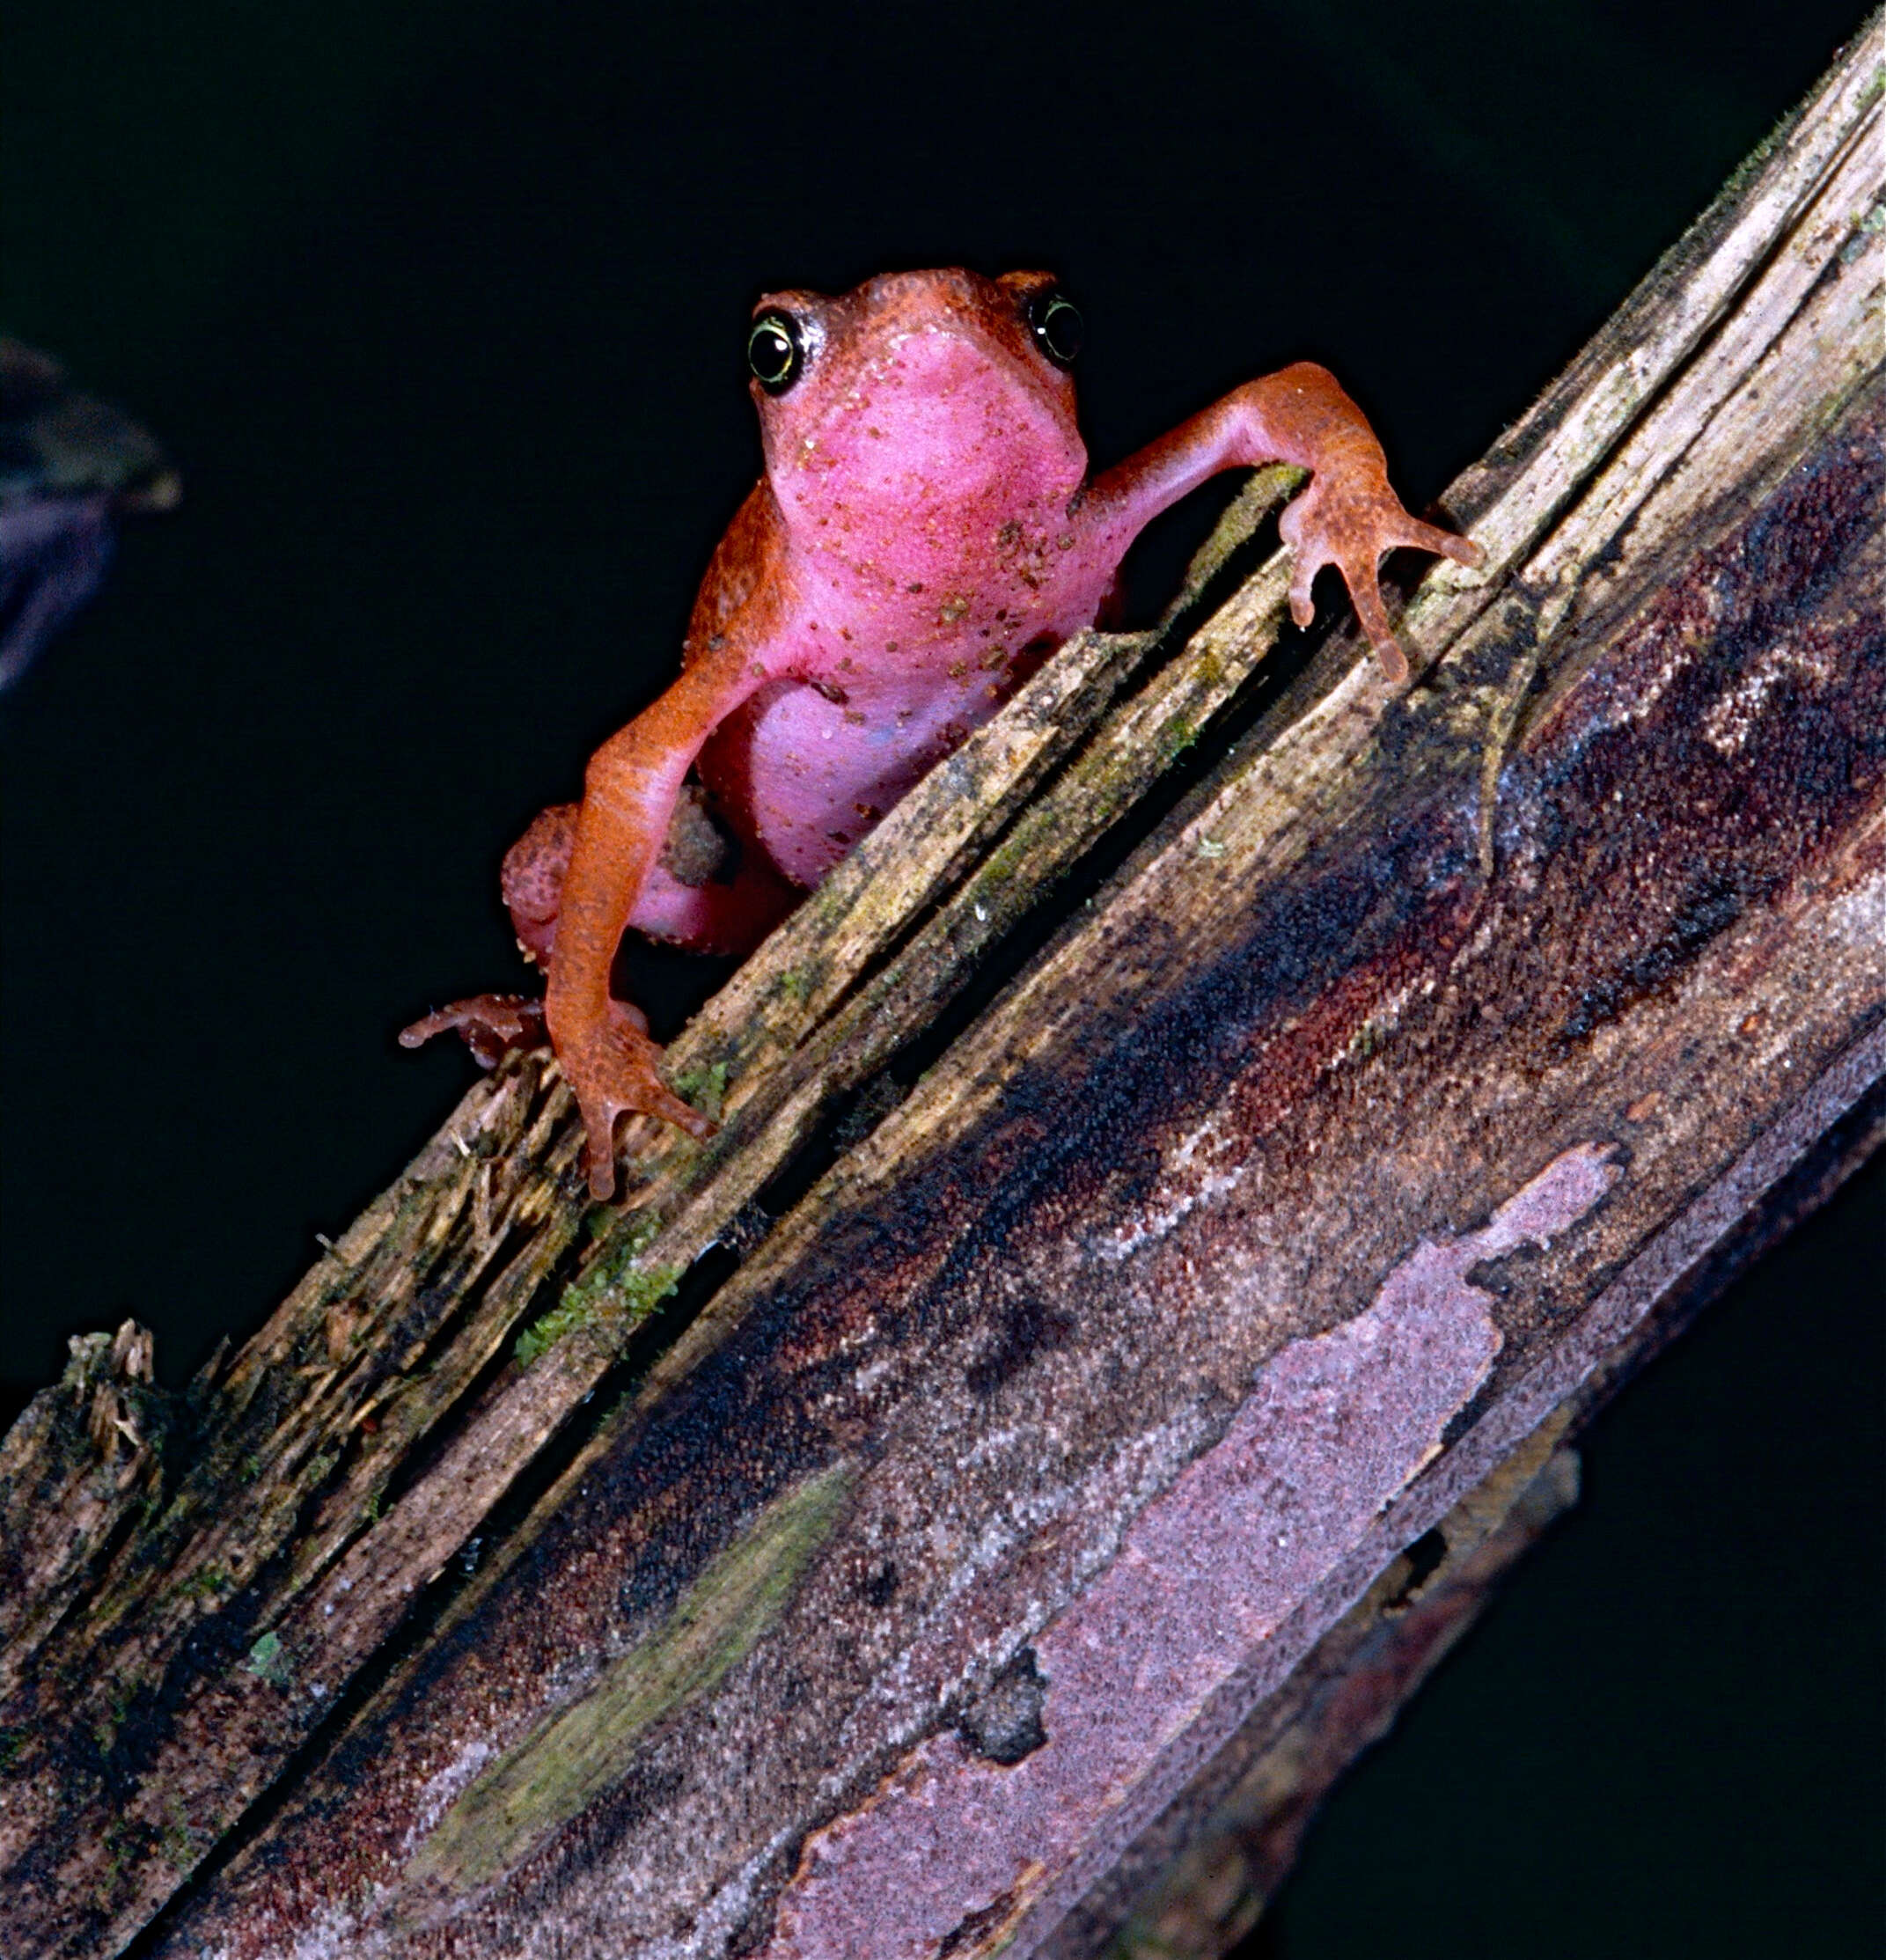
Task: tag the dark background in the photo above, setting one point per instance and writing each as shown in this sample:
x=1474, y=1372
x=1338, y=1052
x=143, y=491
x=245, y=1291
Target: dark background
x=440, y=310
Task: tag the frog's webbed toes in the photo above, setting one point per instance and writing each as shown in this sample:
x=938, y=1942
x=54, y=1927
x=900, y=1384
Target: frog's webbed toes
x=648, y=1097
x=615, y=1075
x=1353, y=541
x=1443, y=544
x=1373, y=613
x=1354, y=525
x=491, y=1025
x=1412, y=532
x=1312, y=554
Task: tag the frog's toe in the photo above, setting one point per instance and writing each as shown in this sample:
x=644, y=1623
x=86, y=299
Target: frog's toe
x=491, y=1025
x=1374, y=615
x=648, y=1096
x=1390, y=657
x=1302, y=577
x=1443, y=544
x=616, y=1074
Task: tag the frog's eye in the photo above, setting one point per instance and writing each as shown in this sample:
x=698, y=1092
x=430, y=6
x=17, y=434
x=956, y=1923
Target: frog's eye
x=775, y=351
x=1057, y=326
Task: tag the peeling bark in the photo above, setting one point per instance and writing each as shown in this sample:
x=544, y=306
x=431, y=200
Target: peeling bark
x=1036, y=1493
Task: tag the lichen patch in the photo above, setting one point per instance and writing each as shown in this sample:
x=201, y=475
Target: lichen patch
x=1335, y=1427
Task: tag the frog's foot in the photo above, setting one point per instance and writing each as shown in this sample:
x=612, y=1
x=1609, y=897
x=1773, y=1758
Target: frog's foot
x=1353, y=520
x=491, y=1025
x=613, y=1070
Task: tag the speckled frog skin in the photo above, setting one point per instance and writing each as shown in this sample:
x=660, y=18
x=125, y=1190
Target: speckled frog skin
x=926, y=533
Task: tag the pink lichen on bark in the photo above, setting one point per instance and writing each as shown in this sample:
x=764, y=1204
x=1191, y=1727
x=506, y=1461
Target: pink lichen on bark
x=1333, y=1429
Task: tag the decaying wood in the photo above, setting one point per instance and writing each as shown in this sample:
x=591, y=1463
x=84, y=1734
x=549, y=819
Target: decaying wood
x=1360, y=1132
x=1197, y=1882
x=1200, y=1877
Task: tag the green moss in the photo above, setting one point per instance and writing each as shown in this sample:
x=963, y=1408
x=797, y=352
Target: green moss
x=1176, y=738
x=12, y=1745
x=206, y=1582
x=122, y=1847
x=644, y=1289
x=574, y=1755
x=1016, y=853
x=105, y=1732
x=706, y=1088
x=178, y=1841
x=616, y=1289
x=1865, y=229
x=631, y=1238
x=544, y=1333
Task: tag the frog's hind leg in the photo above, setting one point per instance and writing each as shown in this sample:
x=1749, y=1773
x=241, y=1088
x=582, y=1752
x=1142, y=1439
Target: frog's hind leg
x=687, y=900
x=532, y=880
x=706, y=894
x=491, y=1025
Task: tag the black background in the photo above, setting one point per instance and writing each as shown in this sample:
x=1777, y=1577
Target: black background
x=439, y=309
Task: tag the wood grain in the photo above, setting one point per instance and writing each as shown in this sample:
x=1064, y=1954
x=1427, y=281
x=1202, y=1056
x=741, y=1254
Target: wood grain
x=1374, y=1112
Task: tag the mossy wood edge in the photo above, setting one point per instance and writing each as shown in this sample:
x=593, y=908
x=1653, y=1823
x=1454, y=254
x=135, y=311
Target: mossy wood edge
x=187, y=1585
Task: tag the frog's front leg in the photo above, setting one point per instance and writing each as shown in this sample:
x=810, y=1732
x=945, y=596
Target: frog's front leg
x=491, y=1025
x=688, y=900
x=630, y=789
x=584, y=872
x=1347, y=517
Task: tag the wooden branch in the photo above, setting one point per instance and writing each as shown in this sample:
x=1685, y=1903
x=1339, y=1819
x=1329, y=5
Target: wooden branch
x=1369, y=1118
x=1199, y=1878
x=1197, y=1881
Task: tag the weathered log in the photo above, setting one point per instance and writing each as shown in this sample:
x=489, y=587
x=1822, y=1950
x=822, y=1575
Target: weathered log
x=1200, y=1877
x=1371, y=1117
x=1197, y=1880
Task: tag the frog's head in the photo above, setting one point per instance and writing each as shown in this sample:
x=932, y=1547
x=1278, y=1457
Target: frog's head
x=917, y=400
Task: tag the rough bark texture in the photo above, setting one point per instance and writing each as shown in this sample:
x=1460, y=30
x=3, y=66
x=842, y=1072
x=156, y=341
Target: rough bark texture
x=1042, y=1498
x=1197, y=1881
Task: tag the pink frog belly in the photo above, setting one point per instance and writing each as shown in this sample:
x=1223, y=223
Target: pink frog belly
x=805, y=775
